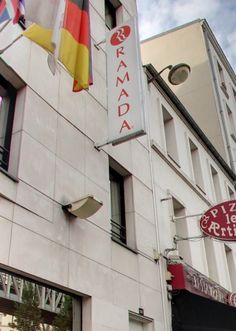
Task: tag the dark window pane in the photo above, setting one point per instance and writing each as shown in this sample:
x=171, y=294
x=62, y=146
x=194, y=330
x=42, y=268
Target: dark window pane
x=117, y=206
x=7, y=105
x=110, y=15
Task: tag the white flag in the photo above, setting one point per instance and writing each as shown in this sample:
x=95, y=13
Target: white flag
x=42, y=12
x=48, y=14
x=52, y=58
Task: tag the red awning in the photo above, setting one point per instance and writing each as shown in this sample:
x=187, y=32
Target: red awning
x=184, y=277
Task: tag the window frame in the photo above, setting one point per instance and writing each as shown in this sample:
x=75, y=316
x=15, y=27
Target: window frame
x=231, y=122
x=13, y=291
x=5, y=149
x=230, y=192
x=216, y=185
x=196, y=164
x=170, y=137
x=222, y=80
x=118, y=178
x=112, y=6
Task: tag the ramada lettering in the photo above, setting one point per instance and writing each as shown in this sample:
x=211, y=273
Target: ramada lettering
x=123, y=99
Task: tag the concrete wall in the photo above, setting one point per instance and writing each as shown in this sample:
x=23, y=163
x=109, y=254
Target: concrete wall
x=55, y=162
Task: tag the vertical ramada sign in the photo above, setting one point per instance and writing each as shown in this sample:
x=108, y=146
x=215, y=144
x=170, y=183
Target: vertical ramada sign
x=125, y=100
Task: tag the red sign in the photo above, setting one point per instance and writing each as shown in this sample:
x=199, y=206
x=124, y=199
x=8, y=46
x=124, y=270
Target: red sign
x=220, y=221
x=120, y=35
x=187, y=278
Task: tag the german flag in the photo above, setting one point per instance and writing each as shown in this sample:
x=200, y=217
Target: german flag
x=74, y=50
x=74, y=47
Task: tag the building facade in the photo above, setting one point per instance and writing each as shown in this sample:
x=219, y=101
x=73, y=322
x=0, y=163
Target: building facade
x=108, y=271
x=210, y=90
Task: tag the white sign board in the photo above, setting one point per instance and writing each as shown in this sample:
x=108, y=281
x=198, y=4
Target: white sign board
x=125, y=94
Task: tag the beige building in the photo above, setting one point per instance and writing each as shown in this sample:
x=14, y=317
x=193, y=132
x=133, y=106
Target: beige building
x=210, y=92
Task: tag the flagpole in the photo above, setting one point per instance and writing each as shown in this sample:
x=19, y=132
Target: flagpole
x=4, y=25
x=8, y=46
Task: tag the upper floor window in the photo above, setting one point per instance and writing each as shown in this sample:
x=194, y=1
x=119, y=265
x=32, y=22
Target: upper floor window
x=231, y=266
x=118, y=224
x=231, y=123
x=179, y=229
x=231, y=194
x=111, y=13
x=170, y=136
x=122, y=205
x=216, y=184
x=179, y=220
x=234, y=94
x=7, y=105
x=211, y=258
x=222, y=80
x=196, y=164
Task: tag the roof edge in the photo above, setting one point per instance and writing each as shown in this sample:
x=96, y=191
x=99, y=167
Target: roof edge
x=199, y=20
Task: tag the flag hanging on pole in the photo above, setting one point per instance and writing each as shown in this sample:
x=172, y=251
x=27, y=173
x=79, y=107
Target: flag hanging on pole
x=73, y=40
x=11, y=9
x=75, y=43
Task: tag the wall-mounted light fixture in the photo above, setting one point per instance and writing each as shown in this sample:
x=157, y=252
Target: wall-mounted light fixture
x=84, y=207
x=177, y=75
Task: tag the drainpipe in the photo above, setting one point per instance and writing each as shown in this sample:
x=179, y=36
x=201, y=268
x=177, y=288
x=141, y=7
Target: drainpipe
x=219, y=106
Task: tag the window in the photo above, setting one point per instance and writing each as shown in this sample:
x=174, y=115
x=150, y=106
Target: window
x=231, y=123
x=222, y=80
x=118, y=225
x=216, y=184
x=24, y=303
x=111, y=13
x=122, y=206
x=7, y=105
x=211, y=258
x=196, y=164
x=179, y=228
x=231, y=265
x=231, y=194
x=234, y=94
x=170, y=136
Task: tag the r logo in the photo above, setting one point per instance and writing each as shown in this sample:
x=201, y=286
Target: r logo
x=120, y=35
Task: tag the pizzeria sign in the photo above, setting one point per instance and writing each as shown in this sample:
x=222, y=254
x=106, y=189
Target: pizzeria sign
x=219, y=221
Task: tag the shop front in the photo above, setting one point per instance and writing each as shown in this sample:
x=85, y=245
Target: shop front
x=198, y=303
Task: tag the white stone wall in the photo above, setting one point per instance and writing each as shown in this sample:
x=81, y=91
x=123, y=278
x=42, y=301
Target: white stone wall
x=55, y=162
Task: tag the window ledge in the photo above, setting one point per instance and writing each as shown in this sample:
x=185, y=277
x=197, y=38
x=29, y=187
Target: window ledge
x=15, y=179
x=173, y=160
x=201, y=189
x=124, y=245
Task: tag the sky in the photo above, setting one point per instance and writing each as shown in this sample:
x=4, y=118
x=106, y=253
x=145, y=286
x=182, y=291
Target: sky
x=157, y=16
